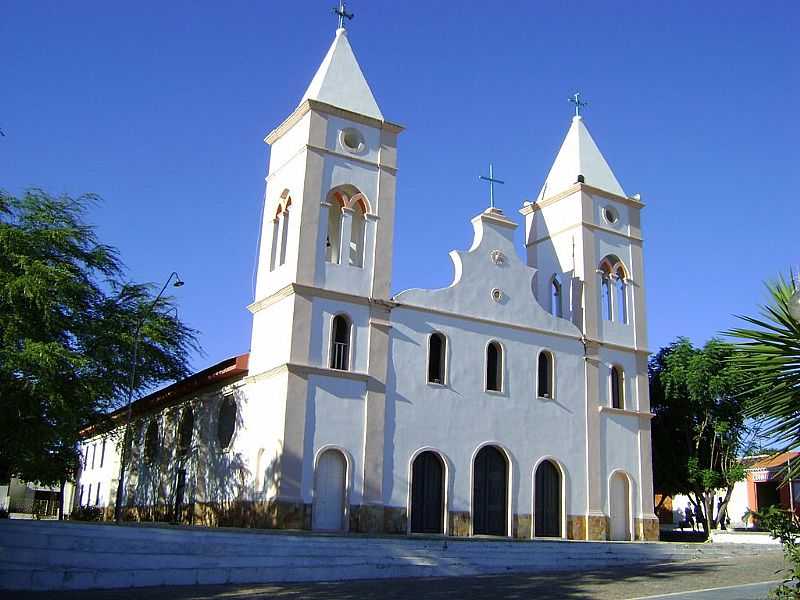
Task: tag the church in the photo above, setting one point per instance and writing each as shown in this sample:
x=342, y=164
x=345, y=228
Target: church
x=513, y=402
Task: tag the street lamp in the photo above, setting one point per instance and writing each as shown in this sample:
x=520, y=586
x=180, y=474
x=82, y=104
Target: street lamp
x=131, y=386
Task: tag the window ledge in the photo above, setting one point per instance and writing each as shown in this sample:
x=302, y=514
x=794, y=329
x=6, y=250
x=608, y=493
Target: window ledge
x=624, y=411
x=436, y=385
x=495, y=392
x=545, y=398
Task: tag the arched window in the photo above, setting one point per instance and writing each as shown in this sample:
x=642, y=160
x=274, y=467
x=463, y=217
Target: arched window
x=437, y=353
x=226, y=421
x=185, y=431
x=348, y=209
x=613, y=289
x=284, y=231
x=276, y=234
x=494, y=367
x=617, y=389
x=151, y=445
x=357, y=232
x=544, y=379
x=621, y=295
x=556, y=300
x=333, y=243
x=340, y=343
x=606, y=300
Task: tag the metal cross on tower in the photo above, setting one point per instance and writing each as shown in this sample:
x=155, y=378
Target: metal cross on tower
x=342, y=13
x=579, y=104
x=491, y=179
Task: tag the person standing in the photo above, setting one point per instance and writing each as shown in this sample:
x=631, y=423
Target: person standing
x=722, y=517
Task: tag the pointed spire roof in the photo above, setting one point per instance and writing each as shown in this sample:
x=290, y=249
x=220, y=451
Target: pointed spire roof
x=579, y=155
x=340, y=82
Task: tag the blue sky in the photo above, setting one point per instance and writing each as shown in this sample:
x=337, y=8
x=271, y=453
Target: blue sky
x=161, y=109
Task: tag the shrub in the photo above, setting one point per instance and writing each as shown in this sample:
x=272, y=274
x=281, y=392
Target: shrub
x=87, y=513
x=784, y=526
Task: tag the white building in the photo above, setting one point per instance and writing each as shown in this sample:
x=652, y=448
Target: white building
x=513, y=402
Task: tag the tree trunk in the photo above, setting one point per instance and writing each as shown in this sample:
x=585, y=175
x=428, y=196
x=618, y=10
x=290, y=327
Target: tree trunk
x=723, y=508
x=61, y=500
x=699, y=501
x=707, y=507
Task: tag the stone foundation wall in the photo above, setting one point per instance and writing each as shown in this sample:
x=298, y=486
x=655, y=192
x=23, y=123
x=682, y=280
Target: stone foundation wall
x=367, y=518
x=277, y=514
x=521, y=525
x=395, y=520
x=270, y=514
x=459, y=524
x=576, y=527
x=597, y=527
x=647, y=529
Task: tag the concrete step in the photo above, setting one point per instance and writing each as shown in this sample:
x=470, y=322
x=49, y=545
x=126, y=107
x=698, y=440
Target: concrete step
x=534, y=558
x=61, y=578
x=54, y=556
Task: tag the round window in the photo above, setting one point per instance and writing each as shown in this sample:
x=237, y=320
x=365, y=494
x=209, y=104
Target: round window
x=352, y=139
x=610, y=215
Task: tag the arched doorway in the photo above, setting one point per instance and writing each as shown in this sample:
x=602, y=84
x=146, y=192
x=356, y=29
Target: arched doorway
x=547, y=501
x=619, y=504
x=489, y=492
x=329, y=491
x=427, y=494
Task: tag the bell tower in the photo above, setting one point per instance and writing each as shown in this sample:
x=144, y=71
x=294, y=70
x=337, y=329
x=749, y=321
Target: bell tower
x=329, y=204
x=584, y=237
x=583, y=234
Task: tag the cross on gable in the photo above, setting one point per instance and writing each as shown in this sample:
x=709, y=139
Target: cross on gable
x=491, y=179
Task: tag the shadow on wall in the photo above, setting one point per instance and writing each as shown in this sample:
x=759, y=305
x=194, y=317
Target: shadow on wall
x=209, y=482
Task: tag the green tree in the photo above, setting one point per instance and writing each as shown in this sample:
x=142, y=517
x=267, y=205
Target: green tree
x=769, y=357
x=67, y=322
x=699, y=430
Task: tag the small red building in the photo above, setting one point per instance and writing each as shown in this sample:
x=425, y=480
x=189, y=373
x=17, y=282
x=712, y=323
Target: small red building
x=765, y=483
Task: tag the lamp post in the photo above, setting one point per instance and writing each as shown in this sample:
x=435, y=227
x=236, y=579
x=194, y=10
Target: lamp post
x=131, y=386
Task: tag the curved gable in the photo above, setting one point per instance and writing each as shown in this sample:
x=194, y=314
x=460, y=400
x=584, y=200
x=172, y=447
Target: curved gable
x=490, y=282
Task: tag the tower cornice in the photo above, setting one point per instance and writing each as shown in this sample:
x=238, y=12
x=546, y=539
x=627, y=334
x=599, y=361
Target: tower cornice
x=322, y=107
x=531, y=207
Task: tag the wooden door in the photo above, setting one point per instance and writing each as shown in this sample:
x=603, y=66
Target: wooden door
x=427, y=494
x=619, y=507
x=547, y=501
x=329, y=491
x=489, y=493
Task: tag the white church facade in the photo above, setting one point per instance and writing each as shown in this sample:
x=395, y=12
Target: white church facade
x=512, y=403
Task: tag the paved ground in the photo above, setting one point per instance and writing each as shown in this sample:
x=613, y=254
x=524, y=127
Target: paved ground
x=743, y=577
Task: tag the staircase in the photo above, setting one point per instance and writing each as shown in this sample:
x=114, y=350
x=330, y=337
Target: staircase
x=63, y=555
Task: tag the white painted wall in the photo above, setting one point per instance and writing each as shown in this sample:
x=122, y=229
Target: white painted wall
x=260, y=440
x=459, y=417
x=104, y=473
x=335, y=419
x=272, y=336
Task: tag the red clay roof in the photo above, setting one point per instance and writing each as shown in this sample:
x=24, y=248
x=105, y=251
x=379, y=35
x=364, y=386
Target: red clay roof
x=226, y=369
x=768, y=462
